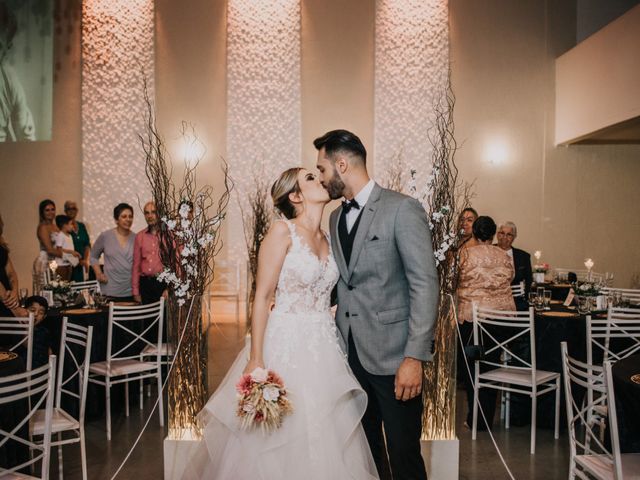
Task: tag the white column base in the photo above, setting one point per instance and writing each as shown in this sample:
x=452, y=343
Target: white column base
x=177, y=454
x=441, y=458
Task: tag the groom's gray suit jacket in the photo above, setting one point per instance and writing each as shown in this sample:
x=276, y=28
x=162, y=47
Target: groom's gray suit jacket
x=388, y=294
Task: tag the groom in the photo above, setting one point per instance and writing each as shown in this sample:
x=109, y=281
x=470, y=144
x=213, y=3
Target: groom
x=387, y=300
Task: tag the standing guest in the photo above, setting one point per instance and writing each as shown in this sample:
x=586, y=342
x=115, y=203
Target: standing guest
x=521, y=260
x=465, y=227
x=81, y=244
x=486, y=272
x=46, y=232
x=117, y=246
x=146, y=260
x=63, y=241
x=9, y=287
x=47, y=229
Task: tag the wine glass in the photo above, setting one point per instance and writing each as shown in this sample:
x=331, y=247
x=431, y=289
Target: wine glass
x=547, y=299
x=532, y=298
x=23, y=293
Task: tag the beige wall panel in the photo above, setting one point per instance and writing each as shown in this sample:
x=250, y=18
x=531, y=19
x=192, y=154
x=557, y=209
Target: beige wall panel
x=337, y=71
x=191, y=81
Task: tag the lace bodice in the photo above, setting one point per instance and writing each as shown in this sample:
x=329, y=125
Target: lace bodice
x=305, y=281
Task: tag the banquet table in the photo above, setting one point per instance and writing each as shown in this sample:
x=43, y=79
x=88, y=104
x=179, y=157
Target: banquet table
x=13, y=453
x=626, y=384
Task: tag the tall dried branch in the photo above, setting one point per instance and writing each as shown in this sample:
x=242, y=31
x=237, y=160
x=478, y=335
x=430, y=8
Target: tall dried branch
x=190, y=219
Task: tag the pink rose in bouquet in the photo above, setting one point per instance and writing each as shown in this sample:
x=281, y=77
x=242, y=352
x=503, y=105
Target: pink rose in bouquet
x=262, y=400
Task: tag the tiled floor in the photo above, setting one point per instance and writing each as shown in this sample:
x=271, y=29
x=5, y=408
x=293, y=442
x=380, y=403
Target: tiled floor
x=478, y=459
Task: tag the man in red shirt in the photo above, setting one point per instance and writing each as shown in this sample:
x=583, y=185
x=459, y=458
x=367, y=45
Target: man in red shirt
x=146, y=260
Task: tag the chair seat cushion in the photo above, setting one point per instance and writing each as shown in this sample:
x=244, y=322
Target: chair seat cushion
x=121, y=367
x=61, y=421
x=600, y=466
x=518, y=377
x=166, y=349
x=15, y=476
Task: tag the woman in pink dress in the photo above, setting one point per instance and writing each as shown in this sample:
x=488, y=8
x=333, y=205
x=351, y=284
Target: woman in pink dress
x=486, y=272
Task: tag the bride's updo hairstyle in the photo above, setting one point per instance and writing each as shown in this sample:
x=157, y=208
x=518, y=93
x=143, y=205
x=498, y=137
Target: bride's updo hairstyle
x=286, y=184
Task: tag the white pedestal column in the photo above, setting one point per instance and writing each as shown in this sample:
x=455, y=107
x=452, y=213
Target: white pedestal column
x=441, y=458
x=177, y=454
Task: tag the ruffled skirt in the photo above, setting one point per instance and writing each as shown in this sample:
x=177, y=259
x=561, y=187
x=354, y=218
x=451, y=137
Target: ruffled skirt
x=322, y=439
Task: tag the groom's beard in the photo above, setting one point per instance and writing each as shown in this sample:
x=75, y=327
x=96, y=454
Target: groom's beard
x=335, y=187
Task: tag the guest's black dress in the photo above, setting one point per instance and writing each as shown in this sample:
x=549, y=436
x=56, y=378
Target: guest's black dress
x=4, y=279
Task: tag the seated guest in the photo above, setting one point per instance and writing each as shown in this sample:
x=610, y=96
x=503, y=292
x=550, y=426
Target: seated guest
x=42, y=340
x=81, y=244
x=485, y=277
x=63, y=241
x=507, y=233
x=465, y=225
x=117, y=246
x=146, y=260
x=8, y=278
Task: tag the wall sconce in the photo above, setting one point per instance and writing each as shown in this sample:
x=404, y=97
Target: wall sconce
x=496, y=151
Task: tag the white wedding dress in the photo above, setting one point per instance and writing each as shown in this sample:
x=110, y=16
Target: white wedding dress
x=322, y=439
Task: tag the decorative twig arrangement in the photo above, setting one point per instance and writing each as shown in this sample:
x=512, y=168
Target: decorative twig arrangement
x=443, y=197
x=256, y=220
x=190, y=221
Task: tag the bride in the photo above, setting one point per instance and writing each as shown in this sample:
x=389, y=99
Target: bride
x=322, y=439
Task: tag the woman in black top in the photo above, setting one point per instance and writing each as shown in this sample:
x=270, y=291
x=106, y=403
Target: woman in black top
x=8, y=279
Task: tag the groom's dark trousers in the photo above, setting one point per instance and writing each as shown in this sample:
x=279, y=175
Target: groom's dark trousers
x=402, y=424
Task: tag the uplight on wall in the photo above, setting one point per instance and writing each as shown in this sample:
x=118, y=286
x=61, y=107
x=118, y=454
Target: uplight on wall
x=496, y=151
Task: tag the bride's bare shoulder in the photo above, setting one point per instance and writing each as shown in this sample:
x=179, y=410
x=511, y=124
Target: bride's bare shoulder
x=278, y=232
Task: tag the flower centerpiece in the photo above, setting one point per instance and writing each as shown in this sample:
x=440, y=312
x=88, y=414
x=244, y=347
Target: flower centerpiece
x=61, y=290
x=262, y=400
x=539, y=269
x=587, y=294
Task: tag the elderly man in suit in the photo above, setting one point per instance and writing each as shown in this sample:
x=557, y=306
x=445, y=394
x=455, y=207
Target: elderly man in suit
x=387, y=299
x=507, y=233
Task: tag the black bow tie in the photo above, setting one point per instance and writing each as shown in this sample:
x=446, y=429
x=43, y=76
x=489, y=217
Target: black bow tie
x=346, y=206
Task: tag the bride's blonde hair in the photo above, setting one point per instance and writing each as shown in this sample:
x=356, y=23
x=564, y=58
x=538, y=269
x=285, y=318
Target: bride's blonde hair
x=286, y=184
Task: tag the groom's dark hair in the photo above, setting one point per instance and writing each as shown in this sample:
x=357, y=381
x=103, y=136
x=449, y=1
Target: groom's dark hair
x=341, y=141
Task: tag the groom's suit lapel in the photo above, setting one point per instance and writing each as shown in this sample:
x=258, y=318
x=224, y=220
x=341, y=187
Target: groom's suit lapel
x=369, y=211
x=335, y=241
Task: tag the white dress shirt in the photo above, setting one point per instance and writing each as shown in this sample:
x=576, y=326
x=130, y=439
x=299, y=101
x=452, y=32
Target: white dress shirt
x=361, y=197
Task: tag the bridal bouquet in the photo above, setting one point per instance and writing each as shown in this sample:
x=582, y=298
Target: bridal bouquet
x=262, y=400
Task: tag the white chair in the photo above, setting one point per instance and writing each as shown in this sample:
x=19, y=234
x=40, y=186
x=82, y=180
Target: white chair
x=226, y=283
x=586, y=462
x=75, y=343
x=520, y=376
x=92, y=285
x=517, y=290
x=626, y=465
x=622, y=325
x=631, y=294
x=36, y=388
x=581, y=274
x=123, y=363
x=20, y=331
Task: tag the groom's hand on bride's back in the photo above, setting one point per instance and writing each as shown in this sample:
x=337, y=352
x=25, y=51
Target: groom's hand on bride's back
x=408, y=382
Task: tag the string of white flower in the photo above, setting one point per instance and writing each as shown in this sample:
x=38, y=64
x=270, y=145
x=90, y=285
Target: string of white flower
x=449, y=238
x=191, y=240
